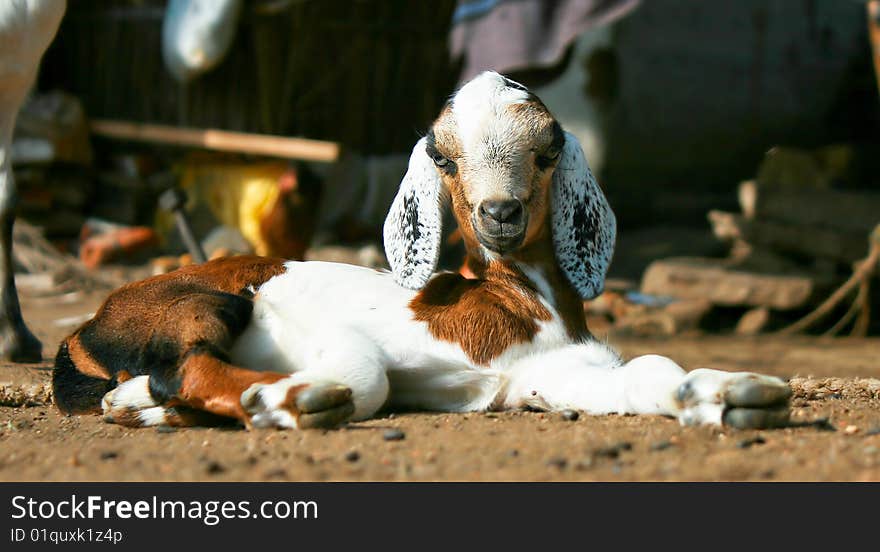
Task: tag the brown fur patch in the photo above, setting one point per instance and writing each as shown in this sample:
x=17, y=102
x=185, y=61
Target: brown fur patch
x=484, y=317
x=149, y=327
x=209, y=384
x=84, y=362
x=290, y=398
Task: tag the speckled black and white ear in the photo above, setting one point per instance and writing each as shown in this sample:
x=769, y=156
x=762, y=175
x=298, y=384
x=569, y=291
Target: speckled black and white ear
x=584, y=227
x=413, y=226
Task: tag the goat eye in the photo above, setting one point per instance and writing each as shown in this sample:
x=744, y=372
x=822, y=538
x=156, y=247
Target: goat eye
x=545, y=160
x=439, y=160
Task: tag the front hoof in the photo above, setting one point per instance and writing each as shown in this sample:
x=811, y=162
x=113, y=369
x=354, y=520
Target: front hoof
x=18, y=344
x=756, y=391
x=285, y=404
x=741, y=400
x=757, y=418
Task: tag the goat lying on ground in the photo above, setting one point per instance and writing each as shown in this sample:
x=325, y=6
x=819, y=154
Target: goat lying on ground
x=311, y=344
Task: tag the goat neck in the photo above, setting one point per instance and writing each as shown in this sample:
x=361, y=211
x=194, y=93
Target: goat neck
x=535, y=266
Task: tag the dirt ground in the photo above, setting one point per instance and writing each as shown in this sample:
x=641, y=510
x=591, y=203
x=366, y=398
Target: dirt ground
x=39, y=444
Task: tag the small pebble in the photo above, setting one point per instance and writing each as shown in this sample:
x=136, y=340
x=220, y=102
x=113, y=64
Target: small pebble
x=570, y=415
x=394, y=435
x=165, y=429
x=746, y=443
x=873, y=431
x=109, y=455
x=823, y=424
x=557, y=462
x=607, y=452
x=851, y=429
x=614, y=450
x=513, y=453
x=215, y=467
x=584, y=464
x=352, y=456
x=661, y=445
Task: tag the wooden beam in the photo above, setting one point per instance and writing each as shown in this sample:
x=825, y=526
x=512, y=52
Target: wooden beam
x=782, y=237
x=848, y=211
x=219, y=140
x=706, y=278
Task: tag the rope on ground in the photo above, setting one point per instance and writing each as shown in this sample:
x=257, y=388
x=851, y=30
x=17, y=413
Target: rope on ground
x=861, y=277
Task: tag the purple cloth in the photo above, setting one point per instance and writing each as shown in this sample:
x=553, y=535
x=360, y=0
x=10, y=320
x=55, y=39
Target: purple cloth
x=509, y=35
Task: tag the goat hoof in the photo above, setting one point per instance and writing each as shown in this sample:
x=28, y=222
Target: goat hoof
x=757, y=418
x=18, y=344
x=287, y=404
x=743, y=400
x=316, y=398
x=326, y=419
x=755, y=392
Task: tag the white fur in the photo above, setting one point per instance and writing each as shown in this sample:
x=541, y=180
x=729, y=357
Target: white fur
x=133, y=397
x=154, y=416
x=477, y=106
x=335, y=323
x=413, y=227
x=133, y=394
x=482, y=117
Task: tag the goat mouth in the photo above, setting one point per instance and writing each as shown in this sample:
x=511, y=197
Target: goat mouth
x=501, y=243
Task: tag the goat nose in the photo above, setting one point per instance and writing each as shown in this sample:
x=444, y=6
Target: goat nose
x=505, y=211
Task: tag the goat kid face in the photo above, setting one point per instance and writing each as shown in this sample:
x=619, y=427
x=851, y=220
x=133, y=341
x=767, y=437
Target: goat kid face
x=495, y=150
x=511, y=173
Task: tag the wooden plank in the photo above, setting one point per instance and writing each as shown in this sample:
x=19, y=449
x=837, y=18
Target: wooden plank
x=703, y=278
x=219, y=140
x=846, y=211
x=753, y=322
x=795, y=239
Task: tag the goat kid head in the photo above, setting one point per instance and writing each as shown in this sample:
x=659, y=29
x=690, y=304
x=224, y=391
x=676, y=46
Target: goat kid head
x=511, y=174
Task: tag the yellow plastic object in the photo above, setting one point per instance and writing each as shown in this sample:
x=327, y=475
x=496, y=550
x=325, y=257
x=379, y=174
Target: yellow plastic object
x=239, y=195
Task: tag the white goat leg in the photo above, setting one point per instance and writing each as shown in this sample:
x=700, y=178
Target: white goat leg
x=592, y=378
x=333, y=359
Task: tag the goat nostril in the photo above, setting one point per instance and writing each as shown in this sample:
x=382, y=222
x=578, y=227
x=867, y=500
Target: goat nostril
x=503, y=211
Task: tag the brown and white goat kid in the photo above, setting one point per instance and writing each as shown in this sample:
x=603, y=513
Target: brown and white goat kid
x=312, y=344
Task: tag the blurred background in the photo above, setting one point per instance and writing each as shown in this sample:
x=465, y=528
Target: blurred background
x=737, y=142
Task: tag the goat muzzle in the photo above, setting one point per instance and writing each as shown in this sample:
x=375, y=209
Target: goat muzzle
x=500, y=225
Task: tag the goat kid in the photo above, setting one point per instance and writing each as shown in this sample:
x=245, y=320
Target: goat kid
x=311, y=344
x=26, y=29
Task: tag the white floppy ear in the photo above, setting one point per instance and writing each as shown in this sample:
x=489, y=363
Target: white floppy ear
x=584, y=227
x=413, y=226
